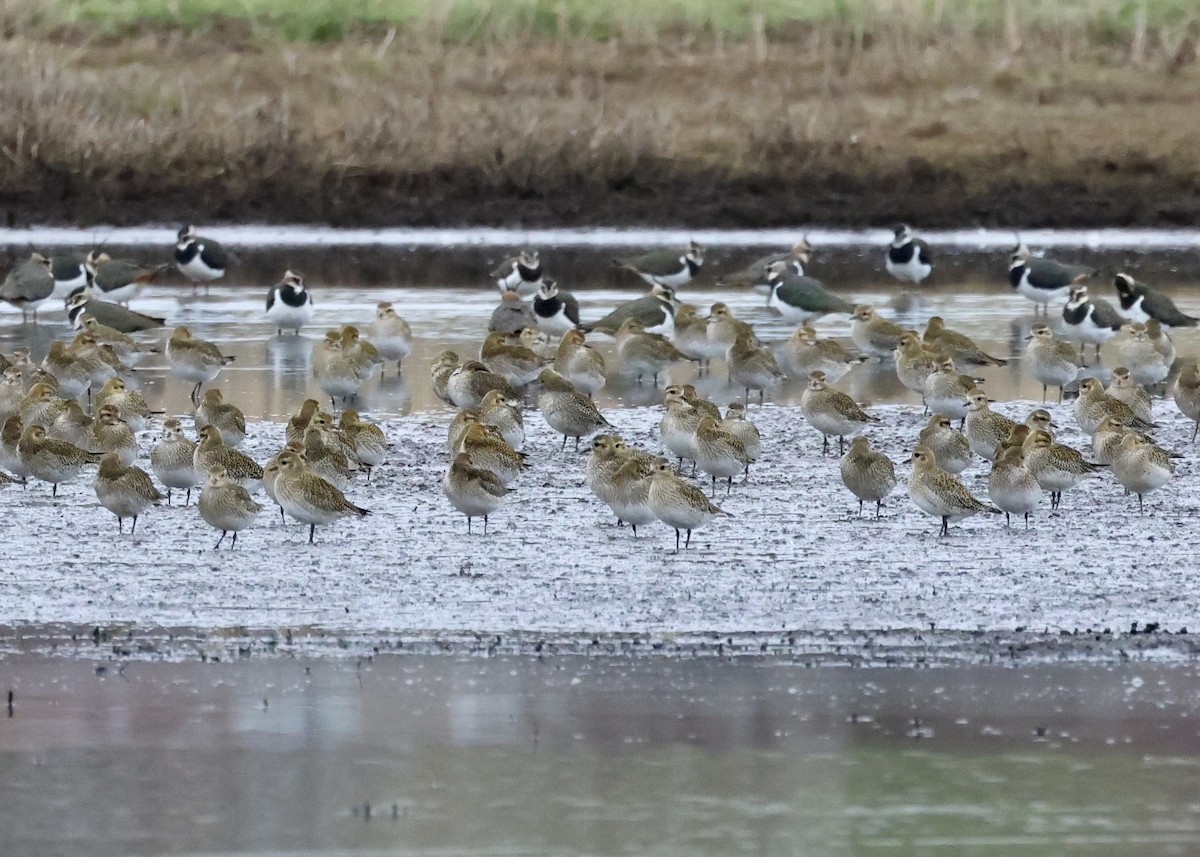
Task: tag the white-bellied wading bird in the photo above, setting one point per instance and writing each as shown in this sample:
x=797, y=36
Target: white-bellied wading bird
x=124, y=490
x=172, y=460
x=832, y=412
x=907, y=258
x=1049, y=360
x=289, y=305
x=669, y=268
x=868, y=473
x=939, y=493
x=654, y=311
x=195, y=360
x=1042, y=280
x=1090, y=320
x=28, y=284
x=200, y=259
x=520, y=273
x=308, y=498
x=1012, y=487
x=567, y=410
x=226, y=506
x=475, y=492
x=1141, y=466
x=679, y=504
x=391, y=335
x=1139, y=302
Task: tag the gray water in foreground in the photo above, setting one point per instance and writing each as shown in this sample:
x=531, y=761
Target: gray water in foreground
x=410, y=755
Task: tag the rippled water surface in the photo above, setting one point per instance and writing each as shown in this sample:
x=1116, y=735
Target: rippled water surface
x=573, y=756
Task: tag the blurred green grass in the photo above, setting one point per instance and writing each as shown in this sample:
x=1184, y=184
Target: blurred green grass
x=472, y=21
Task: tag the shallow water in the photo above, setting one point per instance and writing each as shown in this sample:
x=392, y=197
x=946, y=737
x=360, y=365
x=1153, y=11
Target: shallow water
x=588, y=756
x=272, y=374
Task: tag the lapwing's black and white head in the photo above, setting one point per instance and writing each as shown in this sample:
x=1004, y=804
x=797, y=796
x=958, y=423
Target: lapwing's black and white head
x=548, y=289
x=185, y=236
x=695, y=253
x=666, y=294
x=1124, y=285
x=528, y=258
x=292, y=280
x=903, y=234
x=1078, y=296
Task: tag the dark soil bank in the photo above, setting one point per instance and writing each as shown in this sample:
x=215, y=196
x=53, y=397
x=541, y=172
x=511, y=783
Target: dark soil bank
x=1114, y=194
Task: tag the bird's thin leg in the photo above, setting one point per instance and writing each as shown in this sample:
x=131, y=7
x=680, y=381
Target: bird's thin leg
x=312, y=533
x=134, y=527
x=485, y=524
x=232, y=546
x=687, y=543
x=218, y=544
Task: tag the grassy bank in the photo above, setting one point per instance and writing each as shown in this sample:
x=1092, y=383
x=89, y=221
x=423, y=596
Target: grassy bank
x=534, y=112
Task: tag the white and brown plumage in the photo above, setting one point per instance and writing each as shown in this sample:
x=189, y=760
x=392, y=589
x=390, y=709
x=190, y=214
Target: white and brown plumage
x=1093, y=405
x=41, y=406
x=112, y=434
x=72, y=425
x=362, y=354
x=1146, y=364
x=271, y=474
x=959, y=347
x=691, y=336
x=736, y=423
x=1012, y=487
x=338, y=376
x=1106, y=439
x=212, y=452
x=678, y=425
x=474, y=491
x=985, y=429
x=947, y=390
x=722, y=330
x=98, y=359
x=568, y=411
x=868, y=473
x=391, y=335
x=630, y=494
x=1056, y=467
x=602, y=464
x=1141, y=466
x=10, y=453
x=506, y=415
x=1187, y=394
x=299, y=421
x=1051, y=361
x=579, y=363
x=914, y=362
x=950, y=448
x=215, y=411
x=226, y=506
x=752, y=367
x=124, y=490
x=308, y=498
x=470, y=382
x=872, y=333
x=73, y=375
x=489, y=451
x=1125, y=389
x=365, y=439
x=326, y=459
x=832, y=412
x=173, y=460
x=511, y=360
x=939, y=493
x=679, y=504
x=805, y=353
x=719, y=453
x=127, y=349
x=50, y=460
x=644, y=353
x=133, y=406
x=195, y=360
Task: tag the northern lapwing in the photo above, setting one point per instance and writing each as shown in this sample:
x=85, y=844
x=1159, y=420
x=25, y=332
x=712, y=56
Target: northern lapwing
x=521, y=273
x=28, y=284
x=200, y=259
x=84, y=303
x=1090, y=320
x=1139, y=302
x=655, y=312
x=70, y=272
x=800, y=298
x=908, y=257
x=668, y=268
x=557, y=311
x=1043, y=280
x=755, y=274
x=289, y=305
x=119, y=281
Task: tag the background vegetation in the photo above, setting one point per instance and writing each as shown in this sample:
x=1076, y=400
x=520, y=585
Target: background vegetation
x=698, y=111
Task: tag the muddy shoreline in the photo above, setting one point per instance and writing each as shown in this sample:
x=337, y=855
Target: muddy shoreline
x=1116, y=195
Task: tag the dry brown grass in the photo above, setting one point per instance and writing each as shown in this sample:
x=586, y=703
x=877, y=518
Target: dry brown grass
x=166, y=126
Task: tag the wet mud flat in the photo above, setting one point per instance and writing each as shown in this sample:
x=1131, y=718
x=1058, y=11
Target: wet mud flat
x=793, y=570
